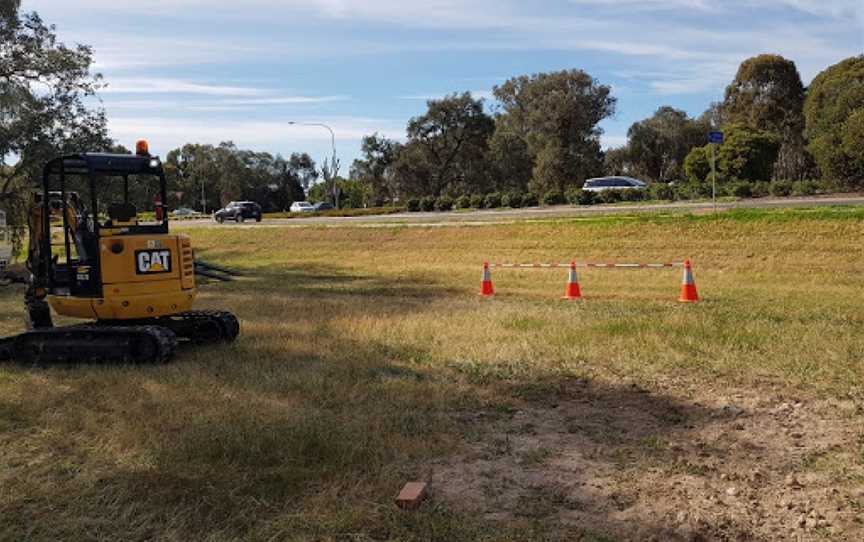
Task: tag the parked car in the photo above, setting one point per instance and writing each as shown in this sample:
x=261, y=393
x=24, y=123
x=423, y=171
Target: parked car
x=302, y=207
x=323, y=206
x=239, y=211
x=602, y=184
x=185, y=211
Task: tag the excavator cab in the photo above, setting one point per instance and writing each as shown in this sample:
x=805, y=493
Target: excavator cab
x=96, y=253
x=103, y=259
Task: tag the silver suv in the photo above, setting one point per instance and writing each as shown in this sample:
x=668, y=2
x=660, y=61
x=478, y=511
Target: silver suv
x=602, y=184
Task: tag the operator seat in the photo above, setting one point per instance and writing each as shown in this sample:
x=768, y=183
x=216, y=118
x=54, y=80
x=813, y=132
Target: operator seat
x=122, y=213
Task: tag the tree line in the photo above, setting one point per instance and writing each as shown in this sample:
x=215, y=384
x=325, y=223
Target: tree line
x=537, y=141
x=543, y=136
x=542, y=140
x=207, y=177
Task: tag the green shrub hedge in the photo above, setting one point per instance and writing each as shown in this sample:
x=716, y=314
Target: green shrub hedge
x=462, y=202
x=781, y=188
x=661, y=191
x=512, y=200
x=553, y=197
x=492, y=201
x=760, y=189
x=656, y=191
x=633, y=194
x=577, y=196
x=609, y=196
x=444, y=203
x=804, y=188
x=740, y=189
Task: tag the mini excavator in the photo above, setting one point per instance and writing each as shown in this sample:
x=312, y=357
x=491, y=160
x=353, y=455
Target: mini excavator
x=129, y=276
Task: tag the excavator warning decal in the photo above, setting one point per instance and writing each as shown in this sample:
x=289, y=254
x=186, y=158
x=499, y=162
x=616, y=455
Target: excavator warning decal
x=149, y=262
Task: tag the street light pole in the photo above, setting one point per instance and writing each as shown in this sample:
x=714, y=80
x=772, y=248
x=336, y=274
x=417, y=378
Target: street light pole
x=332, y=145
x=322, y=125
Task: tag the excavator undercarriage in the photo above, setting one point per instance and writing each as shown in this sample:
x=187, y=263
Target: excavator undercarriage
x=149, y=340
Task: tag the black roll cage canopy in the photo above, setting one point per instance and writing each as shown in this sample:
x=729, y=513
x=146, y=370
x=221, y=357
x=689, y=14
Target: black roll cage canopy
x=94, y=166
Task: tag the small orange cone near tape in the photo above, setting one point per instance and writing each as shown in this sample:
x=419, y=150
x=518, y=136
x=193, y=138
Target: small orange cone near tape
x=573, y=291
x=688, y=286
x=486, y=289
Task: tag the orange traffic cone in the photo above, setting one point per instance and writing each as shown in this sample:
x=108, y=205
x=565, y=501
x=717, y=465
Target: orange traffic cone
x=573, y=291
x=688, y=287
x=486, y=289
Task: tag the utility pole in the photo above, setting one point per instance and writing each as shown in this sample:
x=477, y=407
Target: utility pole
x=713, y=179
x=203, y=198
x=714, y=138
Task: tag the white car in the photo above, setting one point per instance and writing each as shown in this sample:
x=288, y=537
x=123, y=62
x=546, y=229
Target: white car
x=302, y=207
x=185, y=211
x=602, y=184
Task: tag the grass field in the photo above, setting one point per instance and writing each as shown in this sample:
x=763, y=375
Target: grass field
x=367, y=360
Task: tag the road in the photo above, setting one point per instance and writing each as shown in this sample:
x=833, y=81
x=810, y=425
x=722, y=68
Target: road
x=511, y=215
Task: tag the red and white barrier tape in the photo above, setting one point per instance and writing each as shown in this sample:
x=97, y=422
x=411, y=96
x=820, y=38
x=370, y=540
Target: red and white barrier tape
x=584, y=265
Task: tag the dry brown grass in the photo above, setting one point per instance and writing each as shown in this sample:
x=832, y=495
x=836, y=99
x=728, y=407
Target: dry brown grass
x=366, y=359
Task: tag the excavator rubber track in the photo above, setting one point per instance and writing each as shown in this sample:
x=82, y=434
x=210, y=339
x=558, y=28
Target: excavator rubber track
x=199, y=327
x=91, y=344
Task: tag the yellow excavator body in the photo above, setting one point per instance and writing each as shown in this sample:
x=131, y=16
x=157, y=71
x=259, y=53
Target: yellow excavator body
x=143, y=276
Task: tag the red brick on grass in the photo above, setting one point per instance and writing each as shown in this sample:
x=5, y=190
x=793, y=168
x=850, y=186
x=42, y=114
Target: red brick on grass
x=411, y=495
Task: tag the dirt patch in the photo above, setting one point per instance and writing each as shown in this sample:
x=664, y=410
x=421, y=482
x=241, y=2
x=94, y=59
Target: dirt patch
x=638, y=464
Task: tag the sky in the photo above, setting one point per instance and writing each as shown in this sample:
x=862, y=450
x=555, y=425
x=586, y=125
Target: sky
x=206, y=71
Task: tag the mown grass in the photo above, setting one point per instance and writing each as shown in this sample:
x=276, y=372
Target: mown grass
x=366, y=356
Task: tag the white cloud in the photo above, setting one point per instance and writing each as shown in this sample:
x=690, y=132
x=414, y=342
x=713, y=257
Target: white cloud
x=153, y=85
x=831, y=9
x=660, y=48
x=286, y=100
x=113, y=51
x=639, y=48
x=834, y=9
x=618, y=28
x=642, y=5
x=430, y=13
x=450, y=13
x=165, y=133
x=114, y=104
x=178, y=105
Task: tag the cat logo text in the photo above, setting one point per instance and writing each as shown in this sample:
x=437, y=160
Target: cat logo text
x=150, y=262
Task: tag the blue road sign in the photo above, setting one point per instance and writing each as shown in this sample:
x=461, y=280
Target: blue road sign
x=715, y=137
